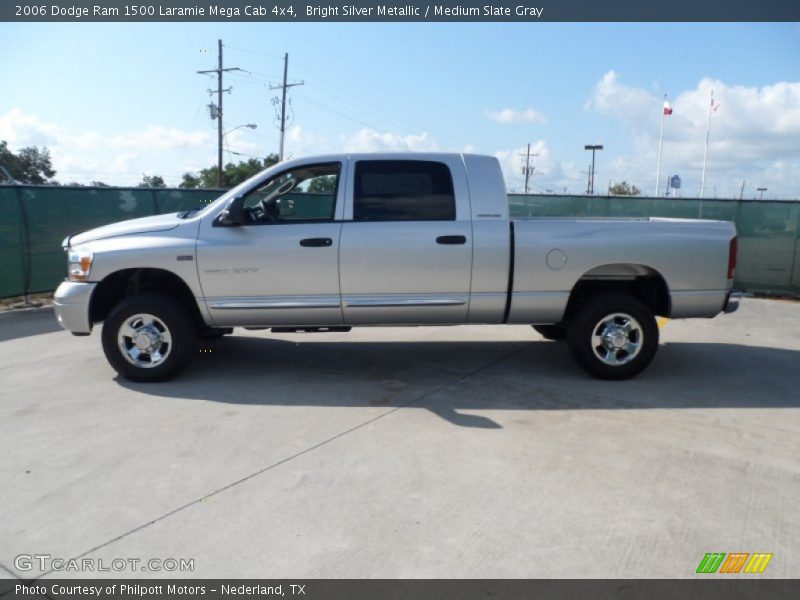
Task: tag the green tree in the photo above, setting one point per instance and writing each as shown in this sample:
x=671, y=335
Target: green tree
x=29, y=165
x=623, y=188
x=323, y=185
x=152, y=181
x=190, y=181
x=232, y=174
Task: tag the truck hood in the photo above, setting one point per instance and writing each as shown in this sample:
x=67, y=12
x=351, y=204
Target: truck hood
x=143, y=225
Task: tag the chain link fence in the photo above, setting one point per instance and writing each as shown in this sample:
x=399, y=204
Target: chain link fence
x=35, y=219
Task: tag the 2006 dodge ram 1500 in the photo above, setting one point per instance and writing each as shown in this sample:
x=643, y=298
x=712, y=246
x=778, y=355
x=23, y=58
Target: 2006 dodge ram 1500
x=330, y=242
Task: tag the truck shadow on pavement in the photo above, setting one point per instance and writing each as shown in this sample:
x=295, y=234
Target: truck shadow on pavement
x=15, y=324
x=452, y=379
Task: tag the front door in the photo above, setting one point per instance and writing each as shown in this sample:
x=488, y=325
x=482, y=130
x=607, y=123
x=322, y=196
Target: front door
x=282, y=266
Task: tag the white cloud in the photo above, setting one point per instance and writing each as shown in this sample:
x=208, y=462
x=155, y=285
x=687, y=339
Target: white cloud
x=547, y=172
x=370, y=140
x=511, y=115
x=119, y=159
x=612, y=97
x=754, y=134
x=20, y=129
x=158, y=138
x=300, y=142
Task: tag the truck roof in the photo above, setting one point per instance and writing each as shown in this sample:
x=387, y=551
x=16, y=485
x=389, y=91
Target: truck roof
x=383, y=156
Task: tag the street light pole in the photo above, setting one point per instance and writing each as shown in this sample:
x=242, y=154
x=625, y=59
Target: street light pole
x=593, y=148
x=248, y=125
x=761, y=192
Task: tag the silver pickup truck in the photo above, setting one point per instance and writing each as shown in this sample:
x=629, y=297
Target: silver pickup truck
x=331, y=242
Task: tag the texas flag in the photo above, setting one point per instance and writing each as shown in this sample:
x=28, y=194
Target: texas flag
x=667, y=108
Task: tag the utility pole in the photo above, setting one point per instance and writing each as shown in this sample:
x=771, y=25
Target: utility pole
x=527, y=170
x=216, y=112
x=741, y=191
x=283, y=89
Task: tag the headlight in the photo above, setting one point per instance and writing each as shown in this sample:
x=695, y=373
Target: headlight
x=79, y=264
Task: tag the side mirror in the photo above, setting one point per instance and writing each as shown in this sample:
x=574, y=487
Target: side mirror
x=233, y=216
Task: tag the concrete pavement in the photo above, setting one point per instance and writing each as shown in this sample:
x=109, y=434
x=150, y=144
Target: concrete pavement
x=473, y=451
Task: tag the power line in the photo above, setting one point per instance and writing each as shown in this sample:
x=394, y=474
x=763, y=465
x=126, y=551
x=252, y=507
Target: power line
x=346, y=116
x=356, y=102
x=372, y=107
x=194, y=123
x=261, y=73
x=390, y=121
x=250, y=81
x=254, y=51
x=244, y=154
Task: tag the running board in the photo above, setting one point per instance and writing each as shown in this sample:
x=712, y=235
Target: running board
x=332, y=329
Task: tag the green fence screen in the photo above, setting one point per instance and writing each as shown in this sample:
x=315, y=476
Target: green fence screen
x=35, y=219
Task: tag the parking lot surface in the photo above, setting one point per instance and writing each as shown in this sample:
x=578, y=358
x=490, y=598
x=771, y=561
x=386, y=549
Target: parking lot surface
x=474, y=451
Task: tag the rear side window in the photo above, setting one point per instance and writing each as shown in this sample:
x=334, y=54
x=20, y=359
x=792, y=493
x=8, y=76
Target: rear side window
x=403, y=190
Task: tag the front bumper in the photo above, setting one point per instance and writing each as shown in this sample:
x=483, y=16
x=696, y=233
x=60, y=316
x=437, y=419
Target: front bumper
x=71, y=303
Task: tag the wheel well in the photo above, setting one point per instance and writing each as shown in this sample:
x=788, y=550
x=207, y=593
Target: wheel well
x=643, y=283
x=127, y=282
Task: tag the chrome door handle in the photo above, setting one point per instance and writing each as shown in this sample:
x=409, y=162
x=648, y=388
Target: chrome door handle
x=451, y=240
x=316, y=242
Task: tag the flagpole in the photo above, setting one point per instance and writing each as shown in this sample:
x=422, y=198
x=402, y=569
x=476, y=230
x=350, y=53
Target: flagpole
x=660, y=144
x=705, y=154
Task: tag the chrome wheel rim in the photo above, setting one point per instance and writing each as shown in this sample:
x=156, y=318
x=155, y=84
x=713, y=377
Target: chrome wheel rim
x=144, y=340
x=617, y=339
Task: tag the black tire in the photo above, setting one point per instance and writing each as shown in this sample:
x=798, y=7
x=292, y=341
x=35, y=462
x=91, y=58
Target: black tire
x=555, y=333
x=166, y=315
x=596, y=318
x=213, y=333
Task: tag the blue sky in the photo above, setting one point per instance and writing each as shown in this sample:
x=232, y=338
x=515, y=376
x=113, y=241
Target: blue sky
x=116, y=100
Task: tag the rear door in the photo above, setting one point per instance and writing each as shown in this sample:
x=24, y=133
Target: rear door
x=406, y=243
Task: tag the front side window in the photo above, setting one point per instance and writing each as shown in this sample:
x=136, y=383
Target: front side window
x=304, y=194
x=403, y=190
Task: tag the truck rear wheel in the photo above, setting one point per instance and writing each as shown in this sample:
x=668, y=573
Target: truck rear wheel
x=613, y=337
x=149, y=337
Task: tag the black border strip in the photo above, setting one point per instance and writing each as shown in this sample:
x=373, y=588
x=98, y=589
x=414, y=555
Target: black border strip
x=399, y=11
x=708, y=588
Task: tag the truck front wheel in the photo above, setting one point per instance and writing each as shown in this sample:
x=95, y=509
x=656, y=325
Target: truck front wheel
x=148, y=337
x=613, y=337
